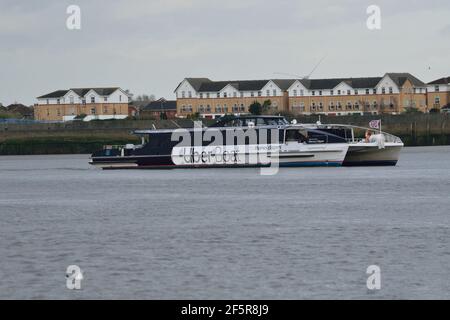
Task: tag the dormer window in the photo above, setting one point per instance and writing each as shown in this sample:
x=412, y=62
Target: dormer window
x=295, y=93
x=190, y=94
x=383, y=90
x=391, y=90
x=274, y=92
x=71, y=100
x=225, y=95
x=105, y=99
x=331, y=92
x=58, y=101
x=437, y=88
x=92, y=99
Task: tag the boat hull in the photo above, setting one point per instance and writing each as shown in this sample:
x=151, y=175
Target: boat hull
x=361, y=155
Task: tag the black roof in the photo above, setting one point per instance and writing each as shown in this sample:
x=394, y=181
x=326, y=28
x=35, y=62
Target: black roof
x=445, y=80
x=206, y=85
x=161, y=105
x=400, y=79
x=54, y=94
x=81, y=92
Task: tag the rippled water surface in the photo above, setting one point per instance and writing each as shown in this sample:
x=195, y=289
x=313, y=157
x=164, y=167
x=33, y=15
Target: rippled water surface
x=225, y=233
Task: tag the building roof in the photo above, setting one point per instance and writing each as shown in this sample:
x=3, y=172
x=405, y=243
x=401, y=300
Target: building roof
x=400, y=79
x=81, y=92
x=54, y=94
x=445, y=80
x=161, y=105
x=206, y=85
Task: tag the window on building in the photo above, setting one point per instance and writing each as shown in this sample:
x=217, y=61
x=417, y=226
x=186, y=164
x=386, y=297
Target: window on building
x=218, y=94
x=349, y=92
x=252, y=94
x=391, y=90
x=242, y=108
x=331, y=106
x=105, y=99
x=83, y=101
x=339, y=106
x=183, y=94
x=242, y=94
x=367, y=91
x=302, y=93
x=437, y=100
x=120, y=98
x=225, y=95
x=105, y=110
x=92, y=99
x=332, y=92
x=268, y=93
x=259, y=93
x=93, y=111
x=207, y=95
x=356, y=92
x=235, y=94
x=48, y=101
x=189, y=94
x=437, y=88
x=201, y=95
x=71, y=100
x=320, y=92
x=274, y=92
x=208, y=108
x=58, y=101
x=383, y=90
x=313, y=93
x=339, y=92
x=295, y=93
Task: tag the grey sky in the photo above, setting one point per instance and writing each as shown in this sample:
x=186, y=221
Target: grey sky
x=149, y=46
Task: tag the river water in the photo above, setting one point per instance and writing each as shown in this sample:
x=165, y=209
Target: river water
x=225, y=233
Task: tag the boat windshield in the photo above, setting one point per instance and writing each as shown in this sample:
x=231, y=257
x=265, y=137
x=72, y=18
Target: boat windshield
x=248, y=121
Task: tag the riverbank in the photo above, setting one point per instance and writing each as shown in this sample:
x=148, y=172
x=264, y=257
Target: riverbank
x=86, y=137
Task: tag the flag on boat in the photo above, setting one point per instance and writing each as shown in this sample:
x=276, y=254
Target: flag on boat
x=375, y=124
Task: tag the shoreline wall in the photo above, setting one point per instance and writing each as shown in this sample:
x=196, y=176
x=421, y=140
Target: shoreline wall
x=86, y=137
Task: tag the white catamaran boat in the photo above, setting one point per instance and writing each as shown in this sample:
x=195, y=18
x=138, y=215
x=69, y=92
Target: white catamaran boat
x=237, y=141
